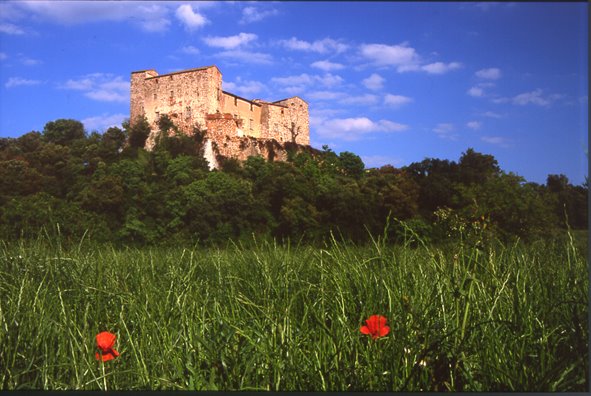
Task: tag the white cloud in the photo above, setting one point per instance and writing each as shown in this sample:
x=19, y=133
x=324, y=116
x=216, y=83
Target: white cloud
x=304, y=78
x=319, y=46
x=374, y=82
x=148, y=16
x=474, y=124
x=403, y=57
x=535, y=97
x=476, y=92
x=10, y=28
x=440, y=67
x=246, y=56
x=3, y=56
x=230, y=42
x=189, y=49
x=327, y=80
x=396, y=100
x=103, y=122
x=100, y=86
x=244, y=88
x=445, y=131
x=17, y=81
x=491, y=114
x=362, y=100
x=496, y=140
x=325, y=95
x=492, y=73
x=377, y=161
x=191, y=19
x=356, y=128
x=327, y=65
x=254, y=14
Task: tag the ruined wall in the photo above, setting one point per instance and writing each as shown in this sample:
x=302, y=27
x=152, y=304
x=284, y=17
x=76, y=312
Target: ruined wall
x=278, y=119
x=246, y=111
x=195, y=97
x=186, y=97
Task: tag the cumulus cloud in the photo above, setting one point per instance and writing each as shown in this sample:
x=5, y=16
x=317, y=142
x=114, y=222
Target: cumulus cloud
x=445, y=131
x=396, y=100
x=230, y=42
x=361, y=100
x=189, y=49
x=440, y=67
x=244, y=87
x=476, y=92
x=103, y=122
x=356, y=128
x=327, y=65
x=320, y=46
x=325, y=95
x=102, y=87
x=255, y=14
x=374, y=82
x=191, y=19
x=535, y=97
x=491, y=114
x=305, y=80
x=246, y=56
x=148, y=16
x=11, y=29
x=497, y=141
x=18, y=81
x=404, y=58
x=474, y=124
x=492, y=73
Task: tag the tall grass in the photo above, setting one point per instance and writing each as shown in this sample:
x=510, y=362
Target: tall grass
x=284, y=317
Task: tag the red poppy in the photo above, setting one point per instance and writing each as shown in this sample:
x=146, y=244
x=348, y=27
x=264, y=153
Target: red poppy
x=376, y=326
x=105, y=342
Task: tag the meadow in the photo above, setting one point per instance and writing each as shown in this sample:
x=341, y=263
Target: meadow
x=270, y=316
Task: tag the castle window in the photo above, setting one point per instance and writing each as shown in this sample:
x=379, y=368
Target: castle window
x=235, y=101
x=171, y=93
x=155, y=96
x=250, y=124
x=251, y=107
x=157, y=114
x=281, y=111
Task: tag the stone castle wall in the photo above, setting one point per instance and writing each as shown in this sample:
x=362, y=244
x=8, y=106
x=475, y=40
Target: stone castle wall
x=195, y=98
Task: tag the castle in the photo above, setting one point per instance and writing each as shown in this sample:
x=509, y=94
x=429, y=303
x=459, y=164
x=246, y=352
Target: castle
x=236, y=127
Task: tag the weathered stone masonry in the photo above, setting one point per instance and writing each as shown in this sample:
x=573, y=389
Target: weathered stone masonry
x=195, y=97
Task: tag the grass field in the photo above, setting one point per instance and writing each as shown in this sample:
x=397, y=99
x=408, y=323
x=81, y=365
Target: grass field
x=280, y=317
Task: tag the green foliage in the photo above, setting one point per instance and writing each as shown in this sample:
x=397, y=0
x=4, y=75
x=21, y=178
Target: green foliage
x=63, y=131
x=138, y=133
x=169, y=196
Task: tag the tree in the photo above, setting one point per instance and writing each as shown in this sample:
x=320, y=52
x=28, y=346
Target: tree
x=63, y=131
x=139, y=132
x=351, y=164
x=475, y=167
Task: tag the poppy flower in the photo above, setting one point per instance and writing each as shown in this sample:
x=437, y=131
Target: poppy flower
x=105, y=342
x=376, y=326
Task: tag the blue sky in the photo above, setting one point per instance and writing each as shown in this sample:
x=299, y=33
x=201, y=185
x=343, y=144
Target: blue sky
x=392, y=82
